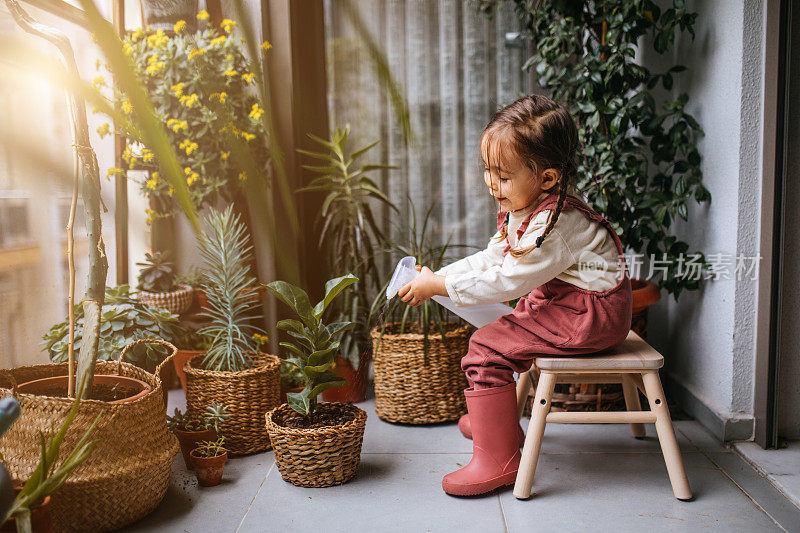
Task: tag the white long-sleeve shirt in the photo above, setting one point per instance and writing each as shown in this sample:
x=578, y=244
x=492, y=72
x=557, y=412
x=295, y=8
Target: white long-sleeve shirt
x=578, y=250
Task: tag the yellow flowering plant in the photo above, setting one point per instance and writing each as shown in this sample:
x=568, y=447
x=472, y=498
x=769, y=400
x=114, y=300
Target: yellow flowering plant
x=204, y=92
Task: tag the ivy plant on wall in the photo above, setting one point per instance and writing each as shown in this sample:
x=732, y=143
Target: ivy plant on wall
x=640, y=165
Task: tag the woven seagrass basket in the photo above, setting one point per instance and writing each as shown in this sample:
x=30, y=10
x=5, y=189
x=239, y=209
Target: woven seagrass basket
x=127, y=473
x=317, y=457
x=249, y=394
x=412, y=388
x=176, y=301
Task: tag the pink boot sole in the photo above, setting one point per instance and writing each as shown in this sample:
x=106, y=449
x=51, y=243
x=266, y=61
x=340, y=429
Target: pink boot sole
x=482, y=487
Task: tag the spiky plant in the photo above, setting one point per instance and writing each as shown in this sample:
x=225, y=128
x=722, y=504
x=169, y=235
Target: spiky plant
x=230, y=288
x=349, y=234
x=157, y=274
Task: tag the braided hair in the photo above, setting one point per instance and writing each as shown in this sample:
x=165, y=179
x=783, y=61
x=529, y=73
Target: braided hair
x=542, y=133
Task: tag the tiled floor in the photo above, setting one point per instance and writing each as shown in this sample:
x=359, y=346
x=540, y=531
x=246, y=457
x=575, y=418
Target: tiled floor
x=590, y=477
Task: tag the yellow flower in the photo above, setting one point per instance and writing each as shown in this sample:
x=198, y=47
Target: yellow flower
x=203, y=15
x=138, y=34
x=248, y=77
x=128, y=49
x=157, y=40
x=151, y=184
x=227, y=25
x=103, y=130
x=150, y=215
x=190, y=100
x=248, y=136
x=115, y=172
x=98, y=81
x=230, y=73
x=179, y=26
x=154, y=67
x=155, y=175
x=265, y=45
x=127, y=107
x=192, y=178
x=177, y=125
x=171, y=190
x=260, y=339
x=147, y=155
x=196, y=52
x=256, y=112
x=177, y=89
x=188, y=146
x=229, y=57
x=242, y=176
x=220, y=97
x=218, y=40
x=224, y=155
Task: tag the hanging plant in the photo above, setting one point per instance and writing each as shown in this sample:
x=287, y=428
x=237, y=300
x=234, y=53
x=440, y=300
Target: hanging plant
x=640, y=165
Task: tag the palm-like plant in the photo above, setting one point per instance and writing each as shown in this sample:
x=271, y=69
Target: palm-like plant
x=349, y=233
x=229, y=285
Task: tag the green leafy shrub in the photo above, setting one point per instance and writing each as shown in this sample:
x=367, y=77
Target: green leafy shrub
x=315, y=346
x=123, y=319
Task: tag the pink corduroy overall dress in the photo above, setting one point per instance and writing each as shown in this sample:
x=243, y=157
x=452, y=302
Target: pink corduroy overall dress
x=556, y=318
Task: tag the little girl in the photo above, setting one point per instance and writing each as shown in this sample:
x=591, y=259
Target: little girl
x=550, y=246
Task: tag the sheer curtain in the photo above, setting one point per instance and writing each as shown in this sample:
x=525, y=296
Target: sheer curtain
x=456, y=68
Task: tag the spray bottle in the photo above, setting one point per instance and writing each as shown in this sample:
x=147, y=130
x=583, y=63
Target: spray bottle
x=477, y=315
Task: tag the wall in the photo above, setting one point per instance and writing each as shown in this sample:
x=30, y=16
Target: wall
x=707, y=336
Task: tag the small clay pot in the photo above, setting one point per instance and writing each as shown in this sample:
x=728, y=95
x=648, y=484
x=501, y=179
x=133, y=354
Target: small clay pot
x=179, y=360
x=57, y=386
x=189, y=440
x=208, y=469
x=41, y=518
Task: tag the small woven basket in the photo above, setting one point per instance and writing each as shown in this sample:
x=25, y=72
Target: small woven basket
x=317, y=457
x=127, y=473
x=249, y=394
x=411, y=390
x=176, y=301
x=581, y=397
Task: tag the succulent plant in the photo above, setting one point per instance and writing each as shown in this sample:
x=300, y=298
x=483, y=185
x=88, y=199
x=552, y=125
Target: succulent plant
x=157, y=274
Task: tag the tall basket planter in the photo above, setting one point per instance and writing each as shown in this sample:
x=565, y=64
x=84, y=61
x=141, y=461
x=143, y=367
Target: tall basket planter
x=413, y=388
x=127, y=473
x=318, y=457
x=249, y=394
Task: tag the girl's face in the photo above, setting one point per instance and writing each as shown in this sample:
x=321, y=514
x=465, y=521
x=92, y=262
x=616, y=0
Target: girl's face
x=511, y=182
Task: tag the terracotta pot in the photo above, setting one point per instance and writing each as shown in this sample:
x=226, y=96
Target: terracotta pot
x=41, y=518
x=291, y=389
x=179, y=360
x=189, y=441
x=356, y=389
x=57, y=386
x=645, y=293
x=209, y=469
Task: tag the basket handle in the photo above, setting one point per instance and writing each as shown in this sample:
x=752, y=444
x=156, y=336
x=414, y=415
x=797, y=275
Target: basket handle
x=146, y=341
x=11, y=379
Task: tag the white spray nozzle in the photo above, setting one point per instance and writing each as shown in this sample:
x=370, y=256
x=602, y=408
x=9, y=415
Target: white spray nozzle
x=404, y=273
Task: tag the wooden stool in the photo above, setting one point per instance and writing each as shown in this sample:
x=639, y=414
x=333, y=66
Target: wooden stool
x=635, y=364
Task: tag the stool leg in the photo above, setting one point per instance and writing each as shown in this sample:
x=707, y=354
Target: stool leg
x=666, y=436
x=533, y=439
x=523, y=388
x=632, y=404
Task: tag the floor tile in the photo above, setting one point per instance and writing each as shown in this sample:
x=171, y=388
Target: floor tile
x=391, y=492
x=781, y=466
x=630, y=492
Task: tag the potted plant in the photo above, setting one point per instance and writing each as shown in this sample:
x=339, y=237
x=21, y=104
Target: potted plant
x=349, y=237
x=31, y=509
x=157, y=286
x=233, y=371
x=417, y=350
x=208, y=462
x=316, y=444
x=191, y=430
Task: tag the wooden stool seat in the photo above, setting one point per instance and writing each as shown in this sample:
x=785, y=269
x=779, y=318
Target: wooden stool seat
x=635, y=364
x=633, y=354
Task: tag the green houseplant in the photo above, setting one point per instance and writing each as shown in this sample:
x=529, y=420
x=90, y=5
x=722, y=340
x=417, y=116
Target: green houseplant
x=233, y=371
x=158, y=287
x=191, y=430
x=208, y=461
x=640, y=165
x=316, y=445
x=417, y=350
x=349, y=236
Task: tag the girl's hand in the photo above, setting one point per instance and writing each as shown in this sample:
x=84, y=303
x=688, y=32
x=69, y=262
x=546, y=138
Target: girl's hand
x=424, y=286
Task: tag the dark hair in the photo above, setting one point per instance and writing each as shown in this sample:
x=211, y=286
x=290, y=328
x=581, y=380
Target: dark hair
x=542, y=133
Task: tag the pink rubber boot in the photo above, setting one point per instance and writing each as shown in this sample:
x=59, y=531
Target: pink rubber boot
x=466, y=429
x=495, y=454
